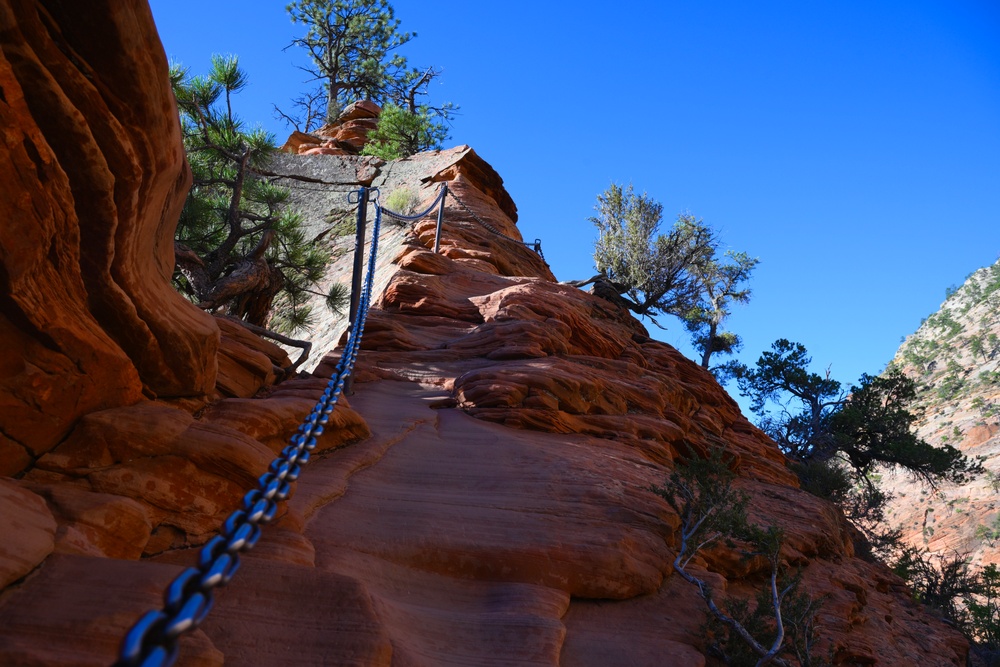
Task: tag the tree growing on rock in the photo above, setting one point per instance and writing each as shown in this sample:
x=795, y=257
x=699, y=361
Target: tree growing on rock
x=675, y=273
x=722, y=284
x=353, y=48
x=868, y=426
x=239, y=250
x=401, y=133
x=839, y=438
x=781, y=626
x=651, y=273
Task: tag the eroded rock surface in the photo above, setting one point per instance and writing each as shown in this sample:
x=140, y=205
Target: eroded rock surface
x=955, y=359
x=482, y=498
x=93, y=185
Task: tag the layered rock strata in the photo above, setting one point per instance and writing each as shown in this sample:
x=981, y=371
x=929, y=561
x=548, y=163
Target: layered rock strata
x=483, y=499
x=345, y=136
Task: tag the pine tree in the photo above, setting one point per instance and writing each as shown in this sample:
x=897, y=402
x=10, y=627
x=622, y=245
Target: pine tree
x=240, y=250
x=401, y=133
x=352, y=45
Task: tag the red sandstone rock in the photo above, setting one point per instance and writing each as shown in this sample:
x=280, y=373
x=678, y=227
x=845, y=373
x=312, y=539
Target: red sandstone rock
x=296, y=140
x=189, y=474
x=77, y=608
x=273, y=419
x=346, y=136
x=94, y=183
x=493, y=505
x=360, y=109
x=324, y=150
x=28, y=529
x=95, y=524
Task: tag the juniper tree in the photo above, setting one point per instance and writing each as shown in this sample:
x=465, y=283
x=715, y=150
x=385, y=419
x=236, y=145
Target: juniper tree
x=711, y=510
x=651, y=273
x=722, y=284
x=838, y=438
x=869, y=425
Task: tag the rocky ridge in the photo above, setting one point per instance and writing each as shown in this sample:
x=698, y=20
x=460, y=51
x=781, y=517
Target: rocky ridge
x=345, y=136
x=481, y=499
x=955, y=358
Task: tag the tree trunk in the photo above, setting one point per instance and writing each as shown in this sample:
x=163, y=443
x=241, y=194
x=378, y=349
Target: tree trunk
x=252, y=275
x=713, y=329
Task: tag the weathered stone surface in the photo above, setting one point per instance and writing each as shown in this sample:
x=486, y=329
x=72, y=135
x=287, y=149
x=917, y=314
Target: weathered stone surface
x=296, y=140
x=246, y=362
x=14, y=457
x=28, y=529
x=77, y=609
x=322, y=149
x=93, y=188
x=648, y=631
x=189, y=474
x=273, y=419
x=281, y=613
x=345, y=136
x=237, y=333
x=493, y=506
x=359, y=109
x=95, y=524
x=510, y=518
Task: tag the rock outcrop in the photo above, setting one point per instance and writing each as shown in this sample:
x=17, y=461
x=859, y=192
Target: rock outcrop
x=93, y=185
x=345, y=136
x=493, y=504
x=955, y=358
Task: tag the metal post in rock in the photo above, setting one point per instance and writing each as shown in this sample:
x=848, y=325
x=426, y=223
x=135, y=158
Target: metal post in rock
x=437, y=232
x=359, y=267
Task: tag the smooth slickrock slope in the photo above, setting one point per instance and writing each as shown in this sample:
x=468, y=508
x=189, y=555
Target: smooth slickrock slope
x=482, y=500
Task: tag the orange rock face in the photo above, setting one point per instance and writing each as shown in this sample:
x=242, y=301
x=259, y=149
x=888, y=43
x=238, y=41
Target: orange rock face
x=493, y=504
x=346, y=136
x=93, y=186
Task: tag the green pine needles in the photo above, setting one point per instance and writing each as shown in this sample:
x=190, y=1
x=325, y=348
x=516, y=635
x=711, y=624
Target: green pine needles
x=401, y=133
x=240, y=250
x=353, y=48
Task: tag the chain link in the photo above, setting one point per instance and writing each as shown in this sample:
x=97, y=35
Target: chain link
x=152, y=641
x=418, y=216
x=536, y=246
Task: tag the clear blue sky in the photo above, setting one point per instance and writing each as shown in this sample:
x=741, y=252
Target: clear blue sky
x=854, y=147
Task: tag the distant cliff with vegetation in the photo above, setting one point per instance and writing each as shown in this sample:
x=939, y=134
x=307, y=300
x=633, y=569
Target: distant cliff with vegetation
x=955, y=359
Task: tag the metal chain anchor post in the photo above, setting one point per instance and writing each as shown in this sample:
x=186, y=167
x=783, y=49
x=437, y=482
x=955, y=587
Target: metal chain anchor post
x=359, y=261
x=437, y=232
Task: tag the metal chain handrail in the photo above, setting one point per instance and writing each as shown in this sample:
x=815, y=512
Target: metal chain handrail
x=536, y=246
x=418, y=216
x=152, y=640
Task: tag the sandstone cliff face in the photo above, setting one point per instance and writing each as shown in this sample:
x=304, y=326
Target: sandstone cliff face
x=93, y=182
x=492, y=504
x=955, y=358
